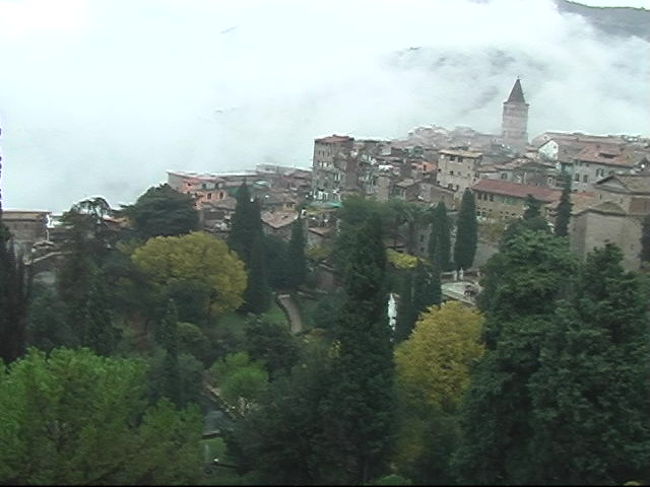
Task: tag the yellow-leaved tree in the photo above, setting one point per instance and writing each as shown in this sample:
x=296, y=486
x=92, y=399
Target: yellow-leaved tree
x=433, y=365
x=432, y=373
x=197, y=257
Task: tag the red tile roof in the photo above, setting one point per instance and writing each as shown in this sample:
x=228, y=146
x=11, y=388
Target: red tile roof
x=335, y=139
x=608, y=155
x=516, y=190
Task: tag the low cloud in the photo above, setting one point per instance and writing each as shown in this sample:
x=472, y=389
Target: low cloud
x=105, y=101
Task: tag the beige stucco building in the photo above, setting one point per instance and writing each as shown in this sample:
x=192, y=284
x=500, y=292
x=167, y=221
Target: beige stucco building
x=458, y=170
x=622, y=201
x=497, y=199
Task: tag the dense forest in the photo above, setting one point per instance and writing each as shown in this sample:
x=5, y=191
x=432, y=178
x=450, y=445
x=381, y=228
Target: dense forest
x=160, y=355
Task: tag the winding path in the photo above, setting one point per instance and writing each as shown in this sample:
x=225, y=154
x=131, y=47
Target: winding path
x=289, y=305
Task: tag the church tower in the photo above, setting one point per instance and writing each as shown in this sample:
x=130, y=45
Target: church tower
x=514, y=125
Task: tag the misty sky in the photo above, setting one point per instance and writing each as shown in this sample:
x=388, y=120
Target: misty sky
x=101, y=97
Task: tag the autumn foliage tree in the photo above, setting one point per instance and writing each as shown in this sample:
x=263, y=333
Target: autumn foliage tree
x=433, y=370
x=200, y=257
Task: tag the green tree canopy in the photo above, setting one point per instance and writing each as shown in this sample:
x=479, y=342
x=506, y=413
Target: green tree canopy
x=440, y=239
x=564, y=208
x=466, y=233
x=522, y=284
x=296, y=260
x=361, y=404
x=591, y=394
x=197, y=256
x=77, y=418
x=162, y=211
x=433, y=365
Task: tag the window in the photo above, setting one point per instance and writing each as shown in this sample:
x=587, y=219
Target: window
x=491, y=197
x=504, y=175
x=585, y=178
x=576, y=177
x=451, y=173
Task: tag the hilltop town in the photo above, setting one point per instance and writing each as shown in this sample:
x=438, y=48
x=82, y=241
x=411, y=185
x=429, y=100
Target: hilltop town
x=610, y=184
x=450, y=307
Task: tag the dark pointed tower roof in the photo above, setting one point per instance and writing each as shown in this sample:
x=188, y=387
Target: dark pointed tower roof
x=517, y=94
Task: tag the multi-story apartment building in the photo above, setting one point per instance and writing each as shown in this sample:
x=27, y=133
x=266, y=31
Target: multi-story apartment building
x=458, y=169
x=334, y=169
x=595, y=162
x=499, y=199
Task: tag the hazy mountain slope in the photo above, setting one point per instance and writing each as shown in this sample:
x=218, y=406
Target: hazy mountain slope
x=619, y=21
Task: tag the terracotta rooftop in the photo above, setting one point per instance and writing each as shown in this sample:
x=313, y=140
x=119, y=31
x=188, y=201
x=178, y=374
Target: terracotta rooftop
x=24, y=214
x=279, y=219
x=608, y=207
x=608, y=155
x=335, y=139
x=462, y=153
x=516, y=190
x=634, y=183
x=579, y=201
x=577, y=138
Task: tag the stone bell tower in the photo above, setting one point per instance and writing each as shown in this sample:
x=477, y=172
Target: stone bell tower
x=514, y=125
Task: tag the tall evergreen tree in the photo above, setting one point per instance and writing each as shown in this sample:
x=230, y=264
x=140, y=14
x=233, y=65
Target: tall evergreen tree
x=645, y=239
x=297, y=262
x=440, y=239
x=167, y=337
x=257, y=297
x=100, y=334
x=243, y=226
x=466, y=232
x=361, y=405
x=591, y=394
x=532, y=219
x=564, y=209
x=405, y=313
x=14, y=295
x=521, y=286
x=246, y=238
x=427, y=289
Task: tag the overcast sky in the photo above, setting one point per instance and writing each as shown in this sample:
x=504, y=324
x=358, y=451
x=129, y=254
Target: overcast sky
x=101, y=97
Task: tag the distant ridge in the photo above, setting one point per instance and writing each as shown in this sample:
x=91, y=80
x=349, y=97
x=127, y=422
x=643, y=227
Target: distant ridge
x=617, y=21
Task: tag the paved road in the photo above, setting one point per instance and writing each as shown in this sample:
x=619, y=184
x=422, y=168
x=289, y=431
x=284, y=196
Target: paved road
x=287, y=302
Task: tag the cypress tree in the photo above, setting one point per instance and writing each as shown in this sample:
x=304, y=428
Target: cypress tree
x=564, y=209
x=591, y=394
x=243, y=227
x=100, y=335
x=405, y=314
x=246, y=238
x=466, y=233
x=360, y=409
x=645, y=239
x=427, y=289
x=297, y=262
x=532, y=219
x=14, y=295
x=257, y=297
x=167, y=337
x=440, y=238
